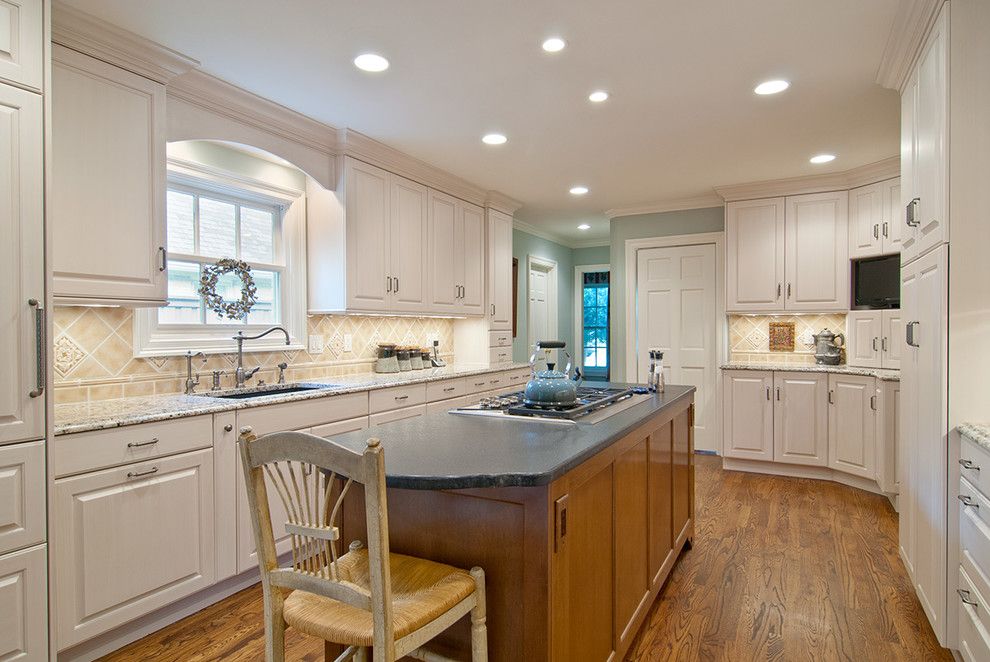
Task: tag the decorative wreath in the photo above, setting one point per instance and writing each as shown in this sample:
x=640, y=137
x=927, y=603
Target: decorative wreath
x=235, y=310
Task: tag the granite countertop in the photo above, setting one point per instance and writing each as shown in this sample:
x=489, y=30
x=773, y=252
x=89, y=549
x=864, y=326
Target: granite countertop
x=976, y=432
x=883, y=375
x=447, y=451
x=103, y=414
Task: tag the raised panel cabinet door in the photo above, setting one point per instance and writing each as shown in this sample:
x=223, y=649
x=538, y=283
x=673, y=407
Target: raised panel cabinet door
x=748, y=417
x=892, y=221
x=473, y=277
x=892, y=341
x=499, y=270
x=852, y=425
x=22, y=266
x=800, y=418
x=24, y=605
x=816, y=255
x=888, y=435
x=632, y=579
x=931, y=161
x=130, y=540
x=108, y=192
x=21, y=46
x=660, y=483
x=866, y=206
x=366, y=209
x=909, y=171
x=22, y=495
x=864, y=338
x=408, y=232
x=446, y=254
x=907, y=461
x=683, y=473
x=754, y=255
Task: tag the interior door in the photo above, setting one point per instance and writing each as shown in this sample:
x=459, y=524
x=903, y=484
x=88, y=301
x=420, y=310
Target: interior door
x=539, y=306
x=816, y=259
x=675, y=293
x=408, y=229
x=800, y=418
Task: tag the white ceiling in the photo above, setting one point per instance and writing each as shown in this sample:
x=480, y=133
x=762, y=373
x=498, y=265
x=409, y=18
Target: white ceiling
x=682, y=117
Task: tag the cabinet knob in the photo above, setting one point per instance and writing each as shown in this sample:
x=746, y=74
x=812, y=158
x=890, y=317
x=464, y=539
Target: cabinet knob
x=228, y=428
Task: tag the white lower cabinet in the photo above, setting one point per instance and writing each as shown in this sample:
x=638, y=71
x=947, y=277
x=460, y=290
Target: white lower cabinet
x=888, y=433
x=852, y=424
x=24, y=605
x=131, y=539
x=748, y=415
x=800, y=418
x=22, y=496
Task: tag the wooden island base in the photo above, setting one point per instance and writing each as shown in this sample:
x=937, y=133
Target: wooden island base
x=572, y=567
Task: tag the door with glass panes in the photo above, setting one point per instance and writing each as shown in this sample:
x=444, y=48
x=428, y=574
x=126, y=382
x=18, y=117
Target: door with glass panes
x=593, y=339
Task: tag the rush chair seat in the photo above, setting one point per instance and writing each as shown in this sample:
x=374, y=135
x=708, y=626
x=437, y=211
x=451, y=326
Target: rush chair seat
x=366, y=598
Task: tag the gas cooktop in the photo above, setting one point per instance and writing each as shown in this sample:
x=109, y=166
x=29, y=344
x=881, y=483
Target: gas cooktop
x=589, y=400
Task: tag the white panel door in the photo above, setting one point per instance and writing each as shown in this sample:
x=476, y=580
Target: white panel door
x=816, y=255
x=22, y=39
x=22, y=265
x=748, y=414
x=24, y=605
x=500, y=271
x=539, y=306
x=864, y=337
x=130, y=540
x=866, y=207
x=800, y=418
x=366, y=202
x=108, y=192
x=472, y=276
x=754, y=255
x=445, y=254
x=852, y=425
x=675, y=295
x=892, y=220
x=408, y=237
x=892, y=340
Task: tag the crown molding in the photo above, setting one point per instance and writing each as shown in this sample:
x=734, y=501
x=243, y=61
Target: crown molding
x=907, y=34
x=677, y=204
x=502, y=202
x=523, y=226
x=227, y=100
x=364, y=148
x=836, y=181
x=92, y=36
x=591, y=243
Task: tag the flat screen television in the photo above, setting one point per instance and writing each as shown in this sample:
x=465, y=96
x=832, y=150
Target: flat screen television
x=877, y=282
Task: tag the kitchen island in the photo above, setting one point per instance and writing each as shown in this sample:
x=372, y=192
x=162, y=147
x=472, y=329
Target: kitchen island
x=577, y=526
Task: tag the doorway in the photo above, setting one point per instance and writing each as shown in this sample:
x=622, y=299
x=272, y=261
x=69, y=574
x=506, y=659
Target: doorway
x=541, y=295
x=592, y=305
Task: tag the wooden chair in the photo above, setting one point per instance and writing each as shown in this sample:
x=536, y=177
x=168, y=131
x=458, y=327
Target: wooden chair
x=367, y=597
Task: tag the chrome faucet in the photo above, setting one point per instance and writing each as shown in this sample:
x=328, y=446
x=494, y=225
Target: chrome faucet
x=241, y=375
x=192, y=381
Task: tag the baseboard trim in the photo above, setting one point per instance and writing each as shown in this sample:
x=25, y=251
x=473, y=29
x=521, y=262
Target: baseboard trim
x=803, y=471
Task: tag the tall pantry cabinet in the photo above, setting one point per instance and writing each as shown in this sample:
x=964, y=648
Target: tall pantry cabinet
x=23, y=327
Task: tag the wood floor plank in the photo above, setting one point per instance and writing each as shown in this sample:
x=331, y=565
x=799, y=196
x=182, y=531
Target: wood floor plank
x=781, y=569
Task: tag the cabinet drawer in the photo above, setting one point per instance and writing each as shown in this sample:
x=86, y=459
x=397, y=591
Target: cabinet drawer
x=974, y=465
x=448, y=388
x=87, y=451
x=519, y=377
x=303, y=414
x=397, y=415
x=500, y=355
x=396, y=398
x=500, y=338
x=22, y=495
x=24, y=596
x=340, y=427
x=453, y=403
x=498, y=381
x=974, y=643
x=974, y=533
x=477, y=383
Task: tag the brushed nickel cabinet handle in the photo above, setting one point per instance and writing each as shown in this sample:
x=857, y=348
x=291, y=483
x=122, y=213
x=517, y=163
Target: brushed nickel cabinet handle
x=967, y=501
x=778, y=394
x=449, y=389
x=876, y=230
x=493, y=310
x=964, y=596
x=788, y=290
x=875, y=343
x=778, y=290
x=396, y=284
x=831, y=397
x=400, y=398
x=883, y=344
x=873, y=402
x=139, y=474
x=911, y=213
x=768, y=393
x=40, y=342
x=885, y=226
x=969, y=464
x=388, y=284
x=142, y=444
x=909, y=333
x=163, y=253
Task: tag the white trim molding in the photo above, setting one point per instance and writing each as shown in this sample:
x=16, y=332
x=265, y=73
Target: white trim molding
x=523, y=226
x=677, y=204
x=907, y=34
x=579, y=271
x=836, y=181
x=501, y=202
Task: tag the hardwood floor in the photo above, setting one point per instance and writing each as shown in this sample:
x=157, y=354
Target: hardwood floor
x=781, y=569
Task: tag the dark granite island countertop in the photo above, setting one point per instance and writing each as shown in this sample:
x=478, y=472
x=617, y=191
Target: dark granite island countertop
x=448, y=451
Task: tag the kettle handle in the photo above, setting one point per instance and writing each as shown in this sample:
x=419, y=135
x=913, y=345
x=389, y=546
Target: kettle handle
x=549, y=344
x=837, y=342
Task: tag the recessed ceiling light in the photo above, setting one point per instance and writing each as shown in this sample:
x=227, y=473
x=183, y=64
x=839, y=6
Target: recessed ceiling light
x=579, y=190
x=771, y=87
x=493, y=139
x=822, y=158
x=554, y=45
x=598, y=96
x=584, y=226
x=371, y=62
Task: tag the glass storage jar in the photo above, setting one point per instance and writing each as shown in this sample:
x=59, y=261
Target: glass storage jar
x=403, y=355
x=387, y=359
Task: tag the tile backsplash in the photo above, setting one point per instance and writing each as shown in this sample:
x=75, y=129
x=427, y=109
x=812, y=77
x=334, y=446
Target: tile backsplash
x=94, y=353
x=749, y=337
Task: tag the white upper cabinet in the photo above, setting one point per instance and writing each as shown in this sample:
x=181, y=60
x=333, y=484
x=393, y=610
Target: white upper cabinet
x=499, y=271
x=21, y=43
x=22, y=266
x=108, y=192
x=800, y=418
x=892, y=221
x=471, y=246
x=816, y=253
x=408, y=241
x=366, y=209
x=852, y=424
x=875, y=219
x=456, y=256
x=754, y=266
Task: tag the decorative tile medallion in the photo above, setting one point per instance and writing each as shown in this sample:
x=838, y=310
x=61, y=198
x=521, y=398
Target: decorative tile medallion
x=781, y=336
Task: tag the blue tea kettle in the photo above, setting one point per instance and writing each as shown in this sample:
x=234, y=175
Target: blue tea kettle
x=550, y=387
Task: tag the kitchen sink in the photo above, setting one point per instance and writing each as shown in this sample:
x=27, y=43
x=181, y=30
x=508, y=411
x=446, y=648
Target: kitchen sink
x=262, y=391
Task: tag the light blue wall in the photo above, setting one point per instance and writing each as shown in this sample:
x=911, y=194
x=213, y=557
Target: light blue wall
x=594, y=255
x=524, y=245
x=666, y=224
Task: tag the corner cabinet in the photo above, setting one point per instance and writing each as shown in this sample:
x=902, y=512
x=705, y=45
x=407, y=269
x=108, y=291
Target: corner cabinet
x=108, y=190
x=852, y=424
